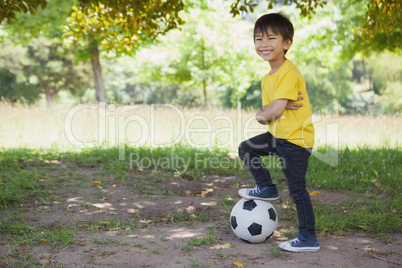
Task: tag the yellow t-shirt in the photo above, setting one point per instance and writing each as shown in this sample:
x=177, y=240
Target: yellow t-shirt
x=294, y=125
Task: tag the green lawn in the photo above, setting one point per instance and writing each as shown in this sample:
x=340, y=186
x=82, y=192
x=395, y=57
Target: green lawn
x=372, y=178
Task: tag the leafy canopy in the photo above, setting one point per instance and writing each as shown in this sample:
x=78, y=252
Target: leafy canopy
x=383, y=26
x=306, y=7
x=8, y=8
x=377, y=30
x=122, y=24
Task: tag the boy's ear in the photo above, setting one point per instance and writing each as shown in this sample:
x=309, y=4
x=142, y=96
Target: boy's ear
x=287, y=44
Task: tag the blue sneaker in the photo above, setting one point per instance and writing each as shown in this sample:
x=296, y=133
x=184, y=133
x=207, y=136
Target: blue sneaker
x=301, y=244
x=265, y=193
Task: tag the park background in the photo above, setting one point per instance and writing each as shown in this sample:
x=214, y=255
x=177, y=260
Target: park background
x=86, y=85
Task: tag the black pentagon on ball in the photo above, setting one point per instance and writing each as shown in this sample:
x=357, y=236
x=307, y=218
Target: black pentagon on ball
x=272, y=214
x=249, y=205
x=233, y=222
x=255, y=229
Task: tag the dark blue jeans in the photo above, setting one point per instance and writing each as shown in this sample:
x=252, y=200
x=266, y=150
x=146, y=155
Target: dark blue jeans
x=294, y=161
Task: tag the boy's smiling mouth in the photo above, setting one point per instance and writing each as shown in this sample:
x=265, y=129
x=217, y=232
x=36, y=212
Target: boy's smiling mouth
x=265, y=52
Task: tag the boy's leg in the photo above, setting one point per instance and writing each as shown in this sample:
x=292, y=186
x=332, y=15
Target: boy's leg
x=250, y=152
x=294, y=160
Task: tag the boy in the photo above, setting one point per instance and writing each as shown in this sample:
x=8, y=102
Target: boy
x=290, y=131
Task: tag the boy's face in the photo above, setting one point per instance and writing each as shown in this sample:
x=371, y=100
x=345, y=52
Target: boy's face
x=271, y=47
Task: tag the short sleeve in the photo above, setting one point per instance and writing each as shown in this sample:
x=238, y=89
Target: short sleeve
x=288, y=86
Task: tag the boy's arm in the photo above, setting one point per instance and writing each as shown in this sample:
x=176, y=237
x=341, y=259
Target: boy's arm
x=271, y=112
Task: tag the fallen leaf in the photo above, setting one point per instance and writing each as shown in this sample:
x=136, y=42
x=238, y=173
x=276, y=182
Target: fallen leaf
x=114, y=185
x=96, y=182
x=44, y=240
x=369, y=250
x=331, y=247
x=238, y=264
x=206, y=191
x=314, y=193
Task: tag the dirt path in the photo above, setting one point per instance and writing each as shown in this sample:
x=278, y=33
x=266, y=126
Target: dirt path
x=117, y=226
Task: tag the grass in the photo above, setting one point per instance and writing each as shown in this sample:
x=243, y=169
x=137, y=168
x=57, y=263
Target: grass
x=374, y=217
x=58, y=236
x=154, y=125
x=373, y=174
x=368, y=175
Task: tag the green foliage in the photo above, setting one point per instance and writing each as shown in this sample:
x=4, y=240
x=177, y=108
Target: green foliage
x=207, y=56
x=118, y=27
x=250, y=99
x=384, y=68
x=45, y=66
x=391, y=99
x=370, y=25
x=121, y=26
x=306, y=7
x=46, y=23
x=15, y=85
x=210, y=59
x=382, y=28
x=54, y=68
x=8, y=8
x=13, y=91
x=325, y=85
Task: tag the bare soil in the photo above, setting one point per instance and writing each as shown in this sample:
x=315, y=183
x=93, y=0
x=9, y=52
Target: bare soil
x=160, y=241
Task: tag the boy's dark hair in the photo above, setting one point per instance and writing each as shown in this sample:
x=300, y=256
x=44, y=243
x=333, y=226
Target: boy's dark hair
x=276, y=22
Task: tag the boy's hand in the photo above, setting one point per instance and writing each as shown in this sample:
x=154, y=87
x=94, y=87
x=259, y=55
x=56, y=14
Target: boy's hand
x=295, y=106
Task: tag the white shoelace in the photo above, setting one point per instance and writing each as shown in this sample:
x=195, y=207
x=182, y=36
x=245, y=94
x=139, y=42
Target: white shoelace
x=296, y=240
x=255, y=190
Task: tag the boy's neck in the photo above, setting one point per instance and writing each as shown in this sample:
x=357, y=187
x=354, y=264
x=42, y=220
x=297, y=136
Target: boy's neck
x=276, y=65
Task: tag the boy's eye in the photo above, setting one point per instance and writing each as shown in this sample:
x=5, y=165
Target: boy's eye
x=271, y=38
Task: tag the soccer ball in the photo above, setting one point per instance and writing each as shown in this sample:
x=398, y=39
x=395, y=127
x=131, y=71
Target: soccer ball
x=253, y=221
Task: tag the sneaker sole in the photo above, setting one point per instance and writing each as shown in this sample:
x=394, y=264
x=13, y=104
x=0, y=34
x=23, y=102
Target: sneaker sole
x=301, y=249
x=287, y=247
x=249, y=197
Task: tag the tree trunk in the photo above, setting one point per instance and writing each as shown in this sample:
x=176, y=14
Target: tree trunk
x=204, y=90
x=204, y=79
x=50, y=95
x=98, y=79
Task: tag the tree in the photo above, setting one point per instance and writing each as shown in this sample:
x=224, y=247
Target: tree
x=48, y=65
x=9, y=8
x=382, y=29
x=42, y=66
x=47, y=22
x=119, y=27
x=306, y=7
x=208, y=54
x=14, y=83
x=377, y=29
x=53, y=68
